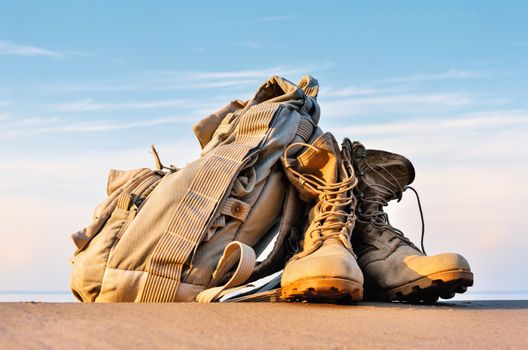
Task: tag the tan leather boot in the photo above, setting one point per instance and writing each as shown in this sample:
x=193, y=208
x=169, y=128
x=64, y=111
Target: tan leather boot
x=325, y=269
x=394, y=268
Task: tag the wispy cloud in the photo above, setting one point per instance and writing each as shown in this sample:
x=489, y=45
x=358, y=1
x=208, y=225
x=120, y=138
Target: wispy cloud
x=9, y=48
x=24, y=127
x=19, y=128
x=4, y=115
x=245, y=74
x=395, y=103
x=472, y=121
x=95, y=162
x=351, y=91
x=155, y=84
x=278, y=18
x=91, y=105
x=466, y=140
x=112, y=126
x=448, y=75
x=251, y=44
x=185, y=80
x=34, y=122
x=14, y=127
x=182, y=111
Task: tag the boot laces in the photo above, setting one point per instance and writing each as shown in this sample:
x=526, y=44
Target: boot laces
x=335, y=200
x=377, y=217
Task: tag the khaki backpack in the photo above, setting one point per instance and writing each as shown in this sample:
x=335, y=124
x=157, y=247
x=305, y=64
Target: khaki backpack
x=189, y=234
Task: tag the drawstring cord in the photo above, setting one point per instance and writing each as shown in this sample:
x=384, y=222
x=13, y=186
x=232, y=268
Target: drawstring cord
x=159, y=165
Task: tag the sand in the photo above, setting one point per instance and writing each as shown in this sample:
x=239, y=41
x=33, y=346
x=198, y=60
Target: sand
x=460, y=325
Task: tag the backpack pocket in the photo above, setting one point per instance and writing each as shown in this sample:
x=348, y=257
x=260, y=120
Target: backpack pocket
x=90, y=259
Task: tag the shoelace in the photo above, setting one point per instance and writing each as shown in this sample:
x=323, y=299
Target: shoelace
x=330, y=199
x=378, y=217
x=421, y=216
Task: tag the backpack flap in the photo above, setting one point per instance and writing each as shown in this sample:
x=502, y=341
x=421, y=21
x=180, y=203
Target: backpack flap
x=118, y=182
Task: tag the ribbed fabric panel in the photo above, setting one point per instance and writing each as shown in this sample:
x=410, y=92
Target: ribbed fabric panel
x=123, y=200
x=195, y=210
x=305, y=129
x=311, y=91
x=309, y=85
x=162, y=289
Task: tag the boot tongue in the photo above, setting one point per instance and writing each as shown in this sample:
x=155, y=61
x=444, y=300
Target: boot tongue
x=323, y=162
x=390, y=170
x=320, y=162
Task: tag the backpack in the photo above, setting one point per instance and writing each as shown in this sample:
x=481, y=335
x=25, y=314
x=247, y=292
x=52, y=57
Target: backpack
x=188, y=234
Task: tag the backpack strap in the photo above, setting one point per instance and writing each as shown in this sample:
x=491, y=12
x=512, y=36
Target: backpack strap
x=234, y=251
x=203, y=197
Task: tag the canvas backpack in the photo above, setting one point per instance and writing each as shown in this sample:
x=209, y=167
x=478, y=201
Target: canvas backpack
x=188, y=234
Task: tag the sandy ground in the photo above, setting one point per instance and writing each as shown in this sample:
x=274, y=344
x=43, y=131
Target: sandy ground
x=460, y=325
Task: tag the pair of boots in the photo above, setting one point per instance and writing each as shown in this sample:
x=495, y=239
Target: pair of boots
x=349, y=247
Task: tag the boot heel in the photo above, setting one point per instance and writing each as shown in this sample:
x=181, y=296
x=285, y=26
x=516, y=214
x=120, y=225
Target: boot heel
x=430, y=288
x=323, y=290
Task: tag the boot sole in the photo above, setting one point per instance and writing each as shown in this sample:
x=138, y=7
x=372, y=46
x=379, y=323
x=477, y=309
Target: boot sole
x=323, y=290
x=430, y=288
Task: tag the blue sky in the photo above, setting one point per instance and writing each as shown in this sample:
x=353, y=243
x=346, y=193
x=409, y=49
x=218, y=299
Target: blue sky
x=85, y=86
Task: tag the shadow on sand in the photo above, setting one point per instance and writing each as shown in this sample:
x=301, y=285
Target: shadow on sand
x=459, y=304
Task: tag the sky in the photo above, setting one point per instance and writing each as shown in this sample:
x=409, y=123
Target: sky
x=86, y=86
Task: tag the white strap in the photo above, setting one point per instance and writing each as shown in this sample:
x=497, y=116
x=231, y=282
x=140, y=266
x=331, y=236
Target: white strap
x=246, y=263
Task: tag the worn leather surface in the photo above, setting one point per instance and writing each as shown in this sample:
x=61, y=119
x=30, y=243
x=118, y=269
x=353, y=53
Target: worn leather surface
x=331, y=260
x=405, y=265
x=326, y=250
x=388, y=258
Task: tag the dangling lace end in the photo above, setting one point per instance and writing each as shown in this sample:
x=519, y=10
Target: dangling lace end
x=421, y=216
